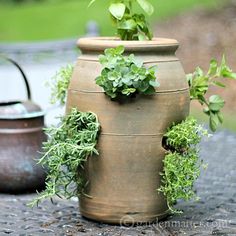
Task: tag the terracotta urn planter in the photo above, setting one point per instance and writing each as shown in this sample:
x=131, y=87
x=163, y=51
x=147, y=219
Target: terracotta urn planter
x=122, y=181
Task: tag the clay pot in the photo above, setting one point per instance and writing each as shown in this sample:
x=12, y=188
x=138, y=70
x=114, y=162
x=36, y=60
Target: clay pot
x=123, y=180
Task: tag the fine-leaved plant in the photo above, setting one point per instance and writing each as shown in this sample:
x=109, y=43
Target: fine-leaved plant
x=64, y=154
x=130, y=25
x=199, y=83
x=125, y=76
x=182, y=163
x=59, y=84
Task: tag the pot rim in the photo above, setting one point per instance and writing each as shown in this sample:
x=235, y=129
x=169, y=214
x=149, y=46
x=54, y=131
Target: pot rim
x=101, y=43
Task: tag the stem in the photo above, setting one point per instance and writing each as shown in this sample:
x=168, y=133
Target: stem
x=130, y=6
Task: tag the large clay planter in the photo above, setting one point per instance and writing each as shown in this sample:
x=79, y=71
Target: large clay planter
x=123, y=180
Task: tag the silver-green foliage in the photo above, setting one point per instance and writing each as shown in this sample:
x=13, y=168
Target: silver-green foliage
x=182, y=163
x=59, y=84
x=199, y=84
x=125, y=76
x=130, y=25
x=68, y=147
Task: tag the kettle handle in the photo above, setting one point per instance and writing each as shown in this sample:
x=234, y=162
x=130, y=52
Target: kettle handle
x=22, y=73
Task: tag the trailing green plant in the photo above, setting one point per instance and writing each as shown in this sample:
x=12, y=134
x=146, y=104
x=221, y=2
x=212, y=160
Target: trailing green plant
x=130, y=25
x=125, y=76
x=68, y=147
x=199, y=85
x=59, y=84
x=182, y=163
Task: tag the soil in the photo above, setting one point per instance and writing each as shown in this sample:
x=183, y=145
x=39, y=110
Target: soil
x=206, y=34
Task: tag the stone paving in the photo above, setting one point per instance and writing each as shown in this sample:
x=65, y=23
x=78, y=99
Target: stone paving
x=214, y=214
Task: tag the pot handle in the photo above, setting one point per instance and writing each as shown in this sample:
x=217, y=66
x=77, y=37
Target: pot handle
x=22, y=73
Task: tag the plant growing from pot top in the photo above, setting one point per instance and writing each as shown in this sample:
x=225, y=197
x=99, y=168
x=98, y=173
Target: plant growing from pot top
x=74, y=141
x=130, y=25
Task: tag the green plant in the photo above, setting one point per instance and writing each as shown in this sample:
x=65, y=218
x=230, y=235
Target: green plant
x=182, y=163
x=60, y=83
x=125, y=76
x=65, y=152
x=199, y=84
x=130, y=25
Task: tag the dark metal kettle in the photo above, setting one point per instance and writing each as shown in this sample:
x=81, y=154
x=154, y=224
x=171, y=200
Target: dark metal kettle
x=21, y=137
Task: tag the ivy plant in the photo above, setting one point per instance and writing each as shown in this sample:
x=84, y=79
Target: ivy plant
x=182, y=163
x=130, y=25
x=200, y=82
x=125, y=76
x=60, y=83
x=64, y=154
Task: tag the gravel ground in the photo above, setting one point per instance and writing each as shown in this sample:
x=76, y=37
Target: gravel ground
x=214, y=214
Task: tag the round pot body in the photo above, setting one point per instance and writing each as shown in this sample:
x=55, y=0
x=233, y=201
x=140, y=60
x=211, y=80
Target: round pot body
x=21, y=137
x=122, y=181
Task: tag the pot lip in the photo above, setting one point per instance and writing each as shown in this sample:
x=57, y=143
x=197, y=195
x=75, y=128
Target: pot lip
x=101, y=43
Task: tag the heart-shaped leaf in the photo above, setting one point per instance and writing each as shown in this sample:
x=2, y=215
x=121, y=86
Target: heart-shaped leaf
x=117, y=10
x=146, y=6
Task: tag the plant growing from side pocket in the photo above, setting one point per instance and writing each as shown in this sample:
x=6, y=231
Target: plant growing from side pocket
x=182, y=163
x=125, y=76
x=130, y=25
x=68, y=147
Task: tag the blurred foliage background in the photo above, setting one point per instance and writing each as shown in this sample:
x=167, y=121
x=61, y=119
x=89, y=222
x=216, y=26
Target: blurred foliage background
x=30, y=20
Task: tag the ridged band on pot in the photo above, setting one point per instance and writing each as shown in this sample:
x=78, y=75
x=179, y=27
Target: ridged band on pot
x=123, y=180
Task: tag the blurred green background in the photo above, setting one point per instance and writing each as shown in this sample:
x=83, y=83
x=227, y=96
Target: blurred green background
x=38, y=20
x=28, y=20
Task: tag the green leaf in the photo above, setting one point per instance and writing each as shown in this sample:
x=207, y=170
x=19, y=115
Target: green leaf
x=149, y=91
x=232, y=76
x=225, y=71
x=199, y=72
x=142, y=37
x=213, y=67
x=214, y=121
x=128, y=91
x=127, y=24
x=220, y=117
x=216, y=103
x=206, y=110
x=154, y=83
x=120, y=49
x=117, y=10
x=143, y=86
x=146, y=6
x=219, y=84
